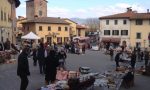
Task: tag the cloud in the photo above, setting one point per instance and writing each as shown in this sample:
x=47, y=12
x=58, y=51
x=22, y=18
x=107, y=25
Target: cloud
x=94, y=11
x=89, y=12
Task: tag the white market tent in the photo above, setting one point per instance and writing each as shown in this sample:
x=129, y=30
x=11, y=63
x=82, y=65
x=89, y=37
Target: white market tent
x=30, y=35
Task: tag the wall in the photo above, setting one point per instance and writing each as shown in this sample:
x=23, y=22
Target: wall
x=5, y=25
x=144, y=29
x=45, y=33
x=30, y=9
x=120, y=26
x=54, y=28
x=73, y=26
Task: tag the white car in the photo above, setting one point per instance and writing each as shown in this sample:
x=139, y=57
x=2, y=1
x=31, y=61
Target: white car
x=95, y=48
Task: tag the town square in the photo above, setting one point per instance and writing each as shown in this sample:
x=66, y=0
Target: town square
x=74, y=45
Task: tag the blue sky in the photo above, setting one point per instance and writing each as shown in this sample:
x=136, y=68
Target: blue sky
x=88, y=8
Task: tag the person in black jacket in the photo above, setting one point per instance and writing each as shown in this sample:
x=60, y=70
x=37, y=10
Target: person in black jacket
x=51, y=65
x=62, y=56
x=117, y=59
x=133, y=60
x=146, y=57
x=41, y=58
x=2, y=46
x=34, y=56
x=23, y=68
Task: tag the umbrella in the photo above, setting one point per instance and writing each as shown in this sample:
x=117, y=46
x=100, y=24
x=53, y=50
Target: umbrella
x=30, y=35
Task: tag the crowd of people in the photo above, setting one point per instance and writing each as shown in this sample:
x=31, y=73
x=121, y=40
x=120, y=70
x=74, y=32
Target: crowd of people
x=51, y=57
x=48, y=57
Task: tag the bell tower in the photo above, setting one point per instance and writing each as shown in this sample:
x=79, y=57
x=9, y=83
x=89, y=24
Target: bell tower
x=36, y=8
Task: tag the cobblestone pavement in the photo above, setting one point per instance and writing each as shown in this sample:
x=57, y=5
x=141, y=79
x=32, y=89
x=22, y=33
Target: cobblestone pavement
x=94, y=59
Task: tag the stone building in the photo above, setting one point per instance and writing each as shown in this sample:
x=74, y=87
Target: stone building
x=8, y=19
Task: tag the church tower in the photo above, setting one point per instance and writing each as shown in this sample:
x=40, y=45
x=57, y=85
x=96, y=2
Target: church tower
x=36, y=8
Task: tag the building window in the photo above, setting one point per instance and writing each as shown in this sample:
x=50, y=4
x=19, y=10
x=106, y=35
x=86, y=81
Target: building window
x=138, y=35
x=49, y=28
x=106, y=32
x=107, y=22
x=1, y=15
x=66, y=28
x=40, y=13
x=40, y=28
x=66, y=39
x=139, y=22
x=59, y=40
x=124, y=32
x=115, y=32
x=59, y=28
x=116, y=22
x=124, y=22
x=5, y=16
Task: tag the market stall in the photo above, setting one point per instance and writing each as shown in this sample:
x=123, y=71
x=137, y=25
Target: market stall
x=86, y=80
x=7, y=56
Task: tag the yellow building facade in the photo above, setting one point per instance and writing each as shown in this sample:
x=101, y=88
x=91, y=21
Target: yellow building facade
x=73, y=27
x=140, y=33
x=81, y=30
x=76, y=29
x=49, y=30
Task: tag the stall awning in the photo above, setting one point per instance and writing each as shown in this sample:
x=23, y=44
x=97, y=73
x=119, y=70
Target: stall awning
x=111, y=40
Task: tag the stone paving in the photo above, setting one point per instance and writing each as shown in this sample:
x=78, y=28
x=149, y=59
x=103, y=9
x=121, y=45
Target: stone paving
x=94, y=59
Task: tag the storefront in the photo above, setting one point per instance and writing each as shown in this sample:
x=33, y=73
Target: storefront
x=115, y=41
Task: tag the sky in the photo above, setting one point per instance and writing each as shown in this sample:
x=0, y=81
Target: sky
x=88, y=8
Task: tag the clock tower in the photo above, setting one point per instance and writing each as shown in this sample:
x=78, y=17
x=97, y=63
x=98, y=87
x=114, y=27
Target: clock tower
x=36, y=8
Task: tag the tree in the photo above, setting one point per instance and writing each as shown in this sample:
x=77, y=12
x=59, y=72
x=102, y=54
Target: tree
x=93, y=24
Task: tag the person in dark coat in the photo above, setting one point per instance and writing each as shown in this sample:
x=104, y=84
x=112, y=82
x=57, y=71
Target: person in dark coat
x=117, y=59
x=133, y=60
x=51, y=67
x=34, y=56
x=146, y=57
x=7, y=44
x=23, y=68
x=62, y=56
x=83, y=49
x=41, y=58
x=2, y=46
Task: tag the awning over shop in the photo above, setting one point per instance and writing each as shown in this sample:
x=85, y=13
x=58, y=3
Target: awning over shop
x=111, y=40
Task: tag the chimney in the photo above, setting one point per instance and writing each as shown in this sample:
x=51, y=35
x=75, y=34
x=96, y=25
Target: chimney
x=147, y=10
x=129, y=9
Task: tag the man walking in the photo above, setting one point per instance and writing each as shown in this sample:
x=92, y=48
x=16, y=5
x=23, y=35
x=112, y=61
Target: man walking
x=23, y=68
x=41, y=58
x=146, y=57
